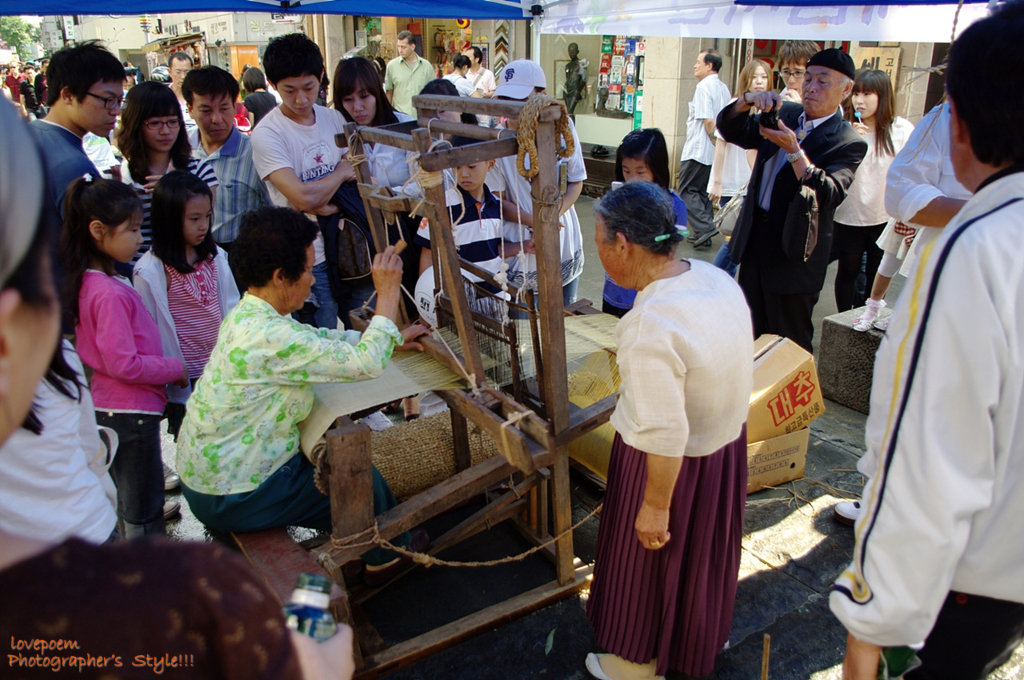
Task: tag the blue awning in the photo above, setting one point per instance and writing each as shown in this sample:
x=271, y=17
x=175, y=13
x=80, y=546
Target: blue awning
x=429, y=9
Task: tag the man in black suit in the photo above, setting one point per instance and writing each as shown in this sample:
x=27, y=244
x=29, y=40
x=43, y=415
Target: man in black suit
x=812, y=155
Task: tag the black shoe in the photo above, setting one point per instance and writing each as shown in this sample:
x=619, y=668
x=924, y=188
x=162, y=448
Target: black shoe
x=705, y=239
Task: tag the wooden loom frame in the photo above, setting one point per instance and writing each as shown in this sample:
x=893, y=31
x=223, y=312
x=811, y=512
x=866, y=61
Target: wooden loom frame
x=533, y=449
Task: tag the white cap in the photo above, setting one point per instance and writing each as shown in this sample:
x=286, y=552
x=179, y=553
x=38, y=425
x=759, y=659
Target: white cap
x=519, y=79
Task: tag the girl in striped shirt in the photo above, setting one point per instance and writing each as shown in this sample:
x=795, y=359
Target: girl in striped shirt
x=153, y=140
x=184, y=280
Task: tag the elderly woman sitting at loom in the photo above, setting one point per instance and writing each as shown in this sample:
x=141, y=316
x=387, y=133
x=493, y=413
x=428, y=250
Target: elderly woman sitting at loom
x=668, y=549
x=238, y=450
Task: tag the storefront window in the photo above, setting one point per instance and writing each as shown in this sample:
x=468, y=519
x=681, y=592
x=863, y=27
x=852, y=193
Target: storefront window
x=600, y=79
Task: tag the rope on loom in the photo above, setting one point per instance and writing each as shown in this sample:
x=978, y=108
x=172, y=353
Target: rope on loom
x=512, y=420
x=375, y=540
x=354, y=159
x=527, y=132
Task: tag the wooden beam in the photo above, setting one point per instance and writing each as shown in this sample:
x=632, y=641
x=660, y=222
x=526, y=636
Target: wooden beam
x=549, y=279
x=487, y=107
x=460, y=441
x=378, y=198
x=442, y=238
x=583, y=420
x=516, y=447
x=382, y=135
x=341, y=139
x=364, y=176
x=494, y=512
x=561, y=512
x=443, y=159
x=532, y=424
x=465, y=129
x=351, y=480
x=470, y=626
x=432, y=502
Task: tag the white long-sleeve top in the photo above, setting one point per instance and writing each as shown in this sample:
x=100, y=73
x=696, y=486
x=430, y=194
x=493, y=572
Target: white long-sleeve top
x=686, y=360
x=864, y=205
x=921, y=172
x=151, y=283
x=944, y=498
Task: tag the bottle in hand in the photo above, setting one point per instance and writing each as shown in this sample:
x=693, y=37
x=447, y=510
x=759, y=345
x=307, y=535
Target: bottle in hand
x=308, y=611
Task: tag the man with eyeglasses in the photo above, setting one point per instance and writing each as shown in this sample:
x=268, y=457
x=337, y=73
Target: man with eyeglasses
x=179, y=64
x=84, y=93
x=793, y=58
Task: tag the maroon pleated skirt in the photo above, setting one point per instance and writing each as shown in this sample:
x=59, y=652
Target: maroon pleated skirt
x=673, y=604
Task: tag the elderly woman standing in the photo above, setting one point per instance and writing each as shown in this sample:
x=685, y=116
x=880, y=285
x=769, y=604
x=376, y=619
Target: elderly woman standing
x=668, y=549
x=238, y=451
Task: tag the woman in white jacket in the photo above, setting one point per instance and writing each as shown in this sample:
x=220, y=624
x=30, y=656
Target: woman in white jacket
x=184, y=280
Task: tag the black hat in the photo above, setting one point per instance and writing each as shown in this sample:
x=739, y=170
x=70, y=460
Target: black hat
x=835, y=59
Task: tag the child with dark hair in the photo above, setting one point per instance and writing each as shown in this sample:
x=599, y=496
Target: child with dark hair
x=118, y=338
x=642, y=157
x=294, y=152
x=153, y=140
x=184, y=280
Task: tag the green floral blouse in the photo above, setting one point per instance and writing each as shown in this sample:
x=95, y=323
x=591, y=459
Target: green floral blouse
x=241, y=424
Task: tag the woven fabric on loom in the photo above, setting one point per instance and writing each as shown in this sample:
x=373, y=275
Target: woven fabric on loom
x=584, y=335
x=416, y=455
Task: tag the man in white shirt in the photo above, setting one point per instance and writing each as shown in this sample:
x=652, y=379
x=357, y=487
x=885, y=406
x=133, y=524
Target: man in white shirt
x=519, y=80
x=482, y=78
x=939, y=565
x=179, y=64
x=294, y=151
x=712, y=96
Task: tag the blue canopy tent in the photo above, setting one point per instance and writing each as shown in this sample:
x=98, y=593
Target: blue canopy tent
x=428, y=9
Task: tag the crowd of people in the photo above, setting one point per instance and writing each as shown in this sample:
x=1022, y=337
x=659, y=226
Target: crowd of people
x=203, y=279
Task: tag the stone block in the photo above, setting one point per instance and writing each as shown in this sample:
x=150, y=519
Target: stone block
x=846, y=359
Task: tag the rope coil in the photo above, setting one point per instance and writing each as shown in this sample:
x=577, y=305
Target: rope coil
x=527, y=133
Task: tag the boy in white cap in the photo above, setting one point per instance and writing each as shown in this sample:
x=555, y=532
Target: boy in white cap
x=517, y=82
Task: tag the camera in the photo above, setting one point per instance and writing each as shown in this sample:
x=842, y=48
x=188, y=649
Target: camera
x=770, y=119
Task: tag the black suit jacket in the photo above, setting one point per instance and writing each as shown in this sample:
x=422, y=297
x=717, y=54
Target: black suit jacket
x=835, y=149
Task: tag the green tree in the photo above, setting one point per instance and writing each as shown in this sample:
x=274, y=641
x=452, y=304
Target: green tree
x=16, y=32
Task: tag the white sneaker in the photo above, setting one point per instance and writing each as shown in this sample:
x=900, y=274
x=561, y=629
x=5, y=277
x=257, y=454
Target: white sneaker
x=871, y=310
x=847, y=512
x=377, y=421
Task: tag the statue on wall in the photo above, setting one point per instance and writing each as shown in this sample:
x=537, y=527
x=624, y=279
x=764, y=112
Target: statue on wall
x=575, y=87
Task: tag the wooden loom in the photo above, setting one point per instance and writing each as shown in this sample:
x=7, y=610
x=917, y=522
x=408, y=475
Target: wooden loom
x=533, y=445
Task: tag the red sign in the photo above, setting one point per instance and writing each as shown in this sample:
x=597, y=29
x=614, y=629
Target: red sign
x=797, y=393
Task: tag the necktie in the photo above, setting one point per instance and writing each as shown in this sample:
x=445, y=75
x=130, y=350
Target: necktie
x=776, y=164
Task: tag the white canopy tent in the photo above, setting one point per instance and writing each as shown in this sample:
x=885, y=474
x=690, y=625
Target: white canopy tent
x=689, y=19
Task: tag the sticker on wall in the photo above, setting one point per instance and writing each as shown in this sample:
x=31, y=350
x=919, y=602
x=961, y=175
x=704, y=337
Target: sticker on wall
x=640, y=48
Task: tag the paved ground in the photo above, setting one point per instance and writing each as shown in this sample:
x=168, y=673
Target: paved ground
x=792, y=551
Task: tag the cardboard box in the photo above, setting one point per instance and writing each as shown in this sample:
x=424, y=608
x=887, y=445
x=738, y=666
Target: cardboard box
x=777, y=460
x=787, y=393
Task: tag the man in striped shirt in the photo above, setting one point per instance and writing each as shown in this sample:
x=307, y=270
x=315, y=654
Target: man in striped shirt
x=211, y=94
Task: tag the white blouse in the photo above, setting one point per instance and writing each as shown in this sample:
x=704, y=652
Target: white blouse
x=686, y=359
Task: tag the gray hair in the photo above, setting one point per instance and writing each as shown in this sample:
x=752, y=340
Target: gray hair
x=644, y=213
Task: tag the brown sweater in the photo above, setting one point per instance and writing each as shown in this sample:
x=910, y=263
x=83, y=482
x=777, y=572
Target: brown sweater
x=134, y=609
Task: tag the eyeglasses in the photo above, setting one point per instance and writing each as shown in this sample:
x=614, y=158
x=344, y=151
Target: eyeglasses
x=786, y=73
x=109, y=103
x=154, y=125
